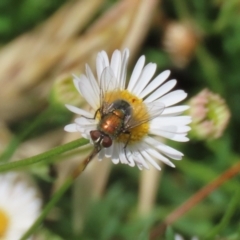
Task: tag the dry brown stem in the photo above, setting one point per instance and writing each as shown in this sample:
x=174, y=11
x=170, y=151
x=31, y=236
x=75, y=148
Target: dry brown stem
x=140, y=25
x=31, y=62
x=149, y=183
x=27, y=61
x=194, y=200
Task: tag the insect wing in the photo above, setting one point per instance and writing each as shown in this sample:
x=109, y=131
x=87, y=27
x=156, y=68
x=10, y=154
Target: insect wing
x=108, y=84
x=154, y=109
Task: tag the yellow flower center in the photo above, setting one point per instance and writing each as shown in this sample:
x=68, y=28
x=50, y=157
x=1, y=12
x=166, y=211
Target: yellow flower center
x=139, y=114
x=4, y=222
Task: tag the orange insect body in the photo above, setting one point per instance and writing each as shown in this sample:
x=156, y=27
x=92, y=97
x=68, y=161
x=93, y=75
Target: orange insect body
x=112, y=123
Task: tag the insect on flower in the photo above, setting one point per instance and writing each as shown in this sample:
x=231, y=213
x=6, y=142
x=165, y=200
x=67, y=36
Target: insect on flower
x=129, y=120
x=116, y=117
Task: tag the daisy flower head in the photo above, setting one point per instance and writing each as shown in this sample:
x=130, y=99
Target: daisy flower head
x=129, y=119
x=19, y=206
x=179, y=237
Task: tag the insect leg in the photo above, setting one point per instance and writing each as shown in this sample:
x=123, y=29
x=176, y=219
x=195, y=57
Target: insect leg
x=125, y=146
x=95, y=114
x=77, y=171
x=98, y=110
x=129, y=137
x=97, y=148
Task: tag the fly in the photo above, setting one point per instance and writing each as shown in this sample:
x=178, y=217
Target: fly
x=112, y=124
x=117, y=117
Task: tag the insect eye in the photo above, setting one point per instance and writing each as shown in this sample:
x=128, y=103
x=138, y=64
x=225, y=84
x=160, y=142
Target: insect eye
x=95, y=135
x=106, y=142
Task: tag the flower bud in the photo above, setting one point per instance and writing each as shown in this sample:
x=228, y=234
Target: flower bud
x=210, y=115
x=180, y=41
x=64, y=92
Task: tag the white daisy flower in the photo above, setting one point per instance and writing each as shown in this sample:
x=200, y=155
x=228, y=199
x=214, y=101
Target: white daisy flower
x=179, y=237
x=129, y=120
x=19, y=206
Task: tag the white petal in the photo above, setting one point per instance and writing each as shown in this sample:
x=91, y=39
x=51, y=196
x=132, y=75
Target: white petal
x=101, y=154
x=130, y=160
x=20, y=202
x=122, y=79
x=101, y=63
x=105, y=59
x=175, y=120
x=174, y=156
x=79, y=111
x=122, y=157
x=150, y=159
x=92, y=81
x=82, y=121
x=172, y=129
x=85, y=125
x=155, y=83
x=178, y=237
x=140, y=167
x=99, y=67
x=87, y=136
x=176, y=110
x=144, y=78
x=154, y=109
x=161, y=91
x=71, y=128
x=75, y=82
x=160, y=157
x=108, y=152
x=140, y=161
x=169, y=151
x=115, y=154
x=108, y=81
x=180, y=138
x=87, y=92
x=173, y=97
x=116, y=63
x=136, y=73
x=115, y=160
x=170, y=135
x=85, y=130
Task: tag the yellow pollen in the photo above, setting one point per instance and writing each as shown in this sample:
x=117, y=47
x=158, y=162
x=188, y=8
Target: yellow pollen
x=139, y=114
x=4, y=222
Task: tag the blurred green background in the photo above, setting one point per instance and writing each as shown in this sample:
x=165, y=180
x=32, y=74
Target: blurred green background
x=214, y=63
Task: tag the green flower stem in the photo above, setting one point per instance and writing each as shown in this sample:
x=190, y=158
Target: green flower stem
x=59, y=193
x=182, y=9
x=210, y=68
x=224, y=18
x=43, y=156
x=12, y=146
x=55, y=198
x=231, y=209
x=196, y=198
